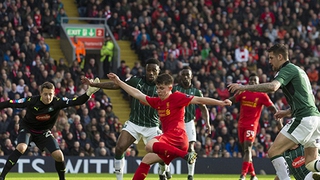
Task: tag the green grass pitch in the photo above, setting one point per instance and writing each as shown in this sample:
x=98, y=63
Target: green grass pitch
x=104, y=176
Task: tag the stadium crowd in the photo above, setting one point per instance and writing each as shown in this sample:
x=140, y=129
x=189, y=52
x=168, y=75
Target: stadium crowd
x=222, y=41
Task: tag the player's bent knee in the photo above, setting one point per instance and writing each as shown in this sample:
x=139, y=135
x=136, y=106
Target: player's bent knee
x=22, y=148
x=57, y=155
x=148, y=148
x=311, y=166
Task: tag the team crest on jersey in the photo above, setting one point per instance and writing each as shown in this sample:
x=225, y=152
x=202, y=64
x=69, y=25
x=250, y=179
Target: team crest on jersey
x=50, y=109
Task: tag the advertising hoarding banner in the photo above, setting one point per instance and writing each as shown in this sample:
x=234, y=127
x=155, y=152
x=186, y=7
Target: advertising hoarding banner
x=105, y=165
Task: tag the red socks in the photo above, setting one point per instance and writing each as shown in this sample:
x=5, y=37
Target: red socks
x=248, y=167
x=141, y=172
x=251, y=169
x=245, y=167
x=167, y=149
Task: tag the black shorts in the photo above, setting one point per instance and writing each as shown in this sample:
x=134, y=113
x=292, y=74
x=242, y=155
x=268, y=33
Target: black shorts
x=43, y=139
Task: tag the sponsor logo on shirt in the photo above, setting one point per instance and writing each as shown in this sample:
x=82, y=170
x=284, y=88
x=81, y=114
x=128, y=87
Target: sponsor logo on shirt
x=43, y=117
x=297, y=162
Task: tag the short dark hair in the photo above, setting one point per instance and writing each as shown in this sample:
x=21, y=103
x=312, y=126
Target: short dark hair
x=253, y=74
x=187, y=67
x=279, y=49
x=47, y=85
x=165, y=79
x=153, y=61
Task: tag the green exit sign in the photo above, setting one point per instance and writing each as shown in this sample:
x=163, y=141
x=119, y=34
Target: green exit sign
x=85, y=32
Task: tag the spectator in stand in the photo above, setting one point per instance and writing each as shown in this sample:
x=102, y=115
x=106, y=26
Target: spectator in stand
x=121, y=71
x=222, y=91
x=40, y=45
x=241, y=54
x=114, y=23
x=102, y=150
x=59, y=16
x=172, y=65
x=48, y=23
x=89, y=151
x=92, y=64
x=313, y=74
x=76, y=149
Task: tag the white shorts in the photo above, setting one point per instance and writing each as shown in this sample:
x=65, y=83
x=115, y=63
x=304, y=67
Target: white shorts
x=307, y=132
x=191, y=131
x=138, y=132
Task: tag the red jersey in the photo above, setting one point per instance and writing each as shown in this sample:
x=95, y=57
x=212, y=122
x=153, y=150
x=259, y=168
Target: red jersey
x=251, y=107
x=171, y=110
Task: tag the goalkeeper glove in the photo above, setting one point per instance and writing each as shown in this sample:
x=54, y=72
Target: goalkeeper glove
x=91, y=90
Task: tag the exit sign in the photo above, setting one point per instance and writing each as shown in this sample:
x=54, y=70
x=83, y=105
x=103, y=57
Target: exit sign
x=85, y=32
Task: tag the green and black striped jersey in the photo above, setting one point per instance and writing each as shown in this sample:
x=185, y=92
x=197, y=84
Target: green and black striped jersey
x=295, y=160
x=297, y=89
x=190, y=110
x=143, y=115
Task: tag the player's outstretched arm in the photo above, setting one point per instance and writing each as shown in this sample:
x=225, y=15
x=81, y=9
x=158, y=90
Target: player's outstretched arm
x=17, y=103
x=205, y=114
x=264, y=87
x=210, y=101
x=130, y=90
x=104, y=85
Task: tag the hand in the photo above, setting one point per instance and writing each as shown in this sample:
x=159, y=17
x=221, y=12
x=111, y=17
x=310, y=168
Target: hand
x=114, y=78
x=86, y=81
x=226, y=102
x=91, y=90
x=280, y=114
x=234, y=87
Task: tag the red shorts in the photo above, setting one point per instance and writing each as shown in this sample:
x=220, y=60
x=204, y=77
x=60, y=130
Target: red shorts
x=177, y=138
x=247, y=134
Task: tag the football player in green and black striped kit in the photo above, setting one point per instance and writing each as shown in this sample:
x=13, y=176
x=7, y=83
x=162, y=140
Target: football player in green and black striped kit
x=143, y=121
x=304, y=128
x=185, y=86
